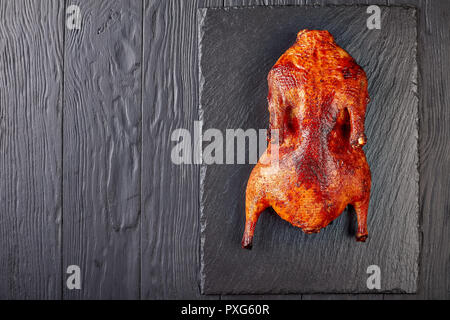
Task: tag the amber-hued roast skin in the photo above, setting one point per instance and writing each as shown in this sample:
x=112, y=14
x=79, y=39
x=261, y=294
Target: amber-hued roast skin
x=317, y=102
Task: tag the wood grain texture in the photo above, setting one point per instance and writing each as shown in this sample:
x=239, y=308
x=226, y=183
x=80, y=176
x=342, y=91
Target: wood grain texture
x=31, y=71
x=170, y=228
x=102, y=170
x=434, y=44
x=331, y=261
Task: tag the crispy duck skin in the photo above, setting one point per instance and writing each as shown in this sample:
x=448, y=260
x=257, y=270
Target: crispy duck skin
x=317, y=103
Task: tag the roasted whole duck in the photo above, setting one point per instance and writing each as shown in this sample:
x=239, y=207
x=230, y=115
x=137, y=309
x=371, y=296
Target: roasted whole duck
x=317, y=103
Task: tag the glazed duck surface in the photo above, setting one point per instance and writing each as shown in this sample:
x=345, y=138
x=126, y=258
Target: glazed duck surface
x=317, y=102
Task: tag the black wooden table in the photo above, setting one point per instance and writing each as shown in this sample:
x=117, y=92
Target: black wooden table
x=86, y=176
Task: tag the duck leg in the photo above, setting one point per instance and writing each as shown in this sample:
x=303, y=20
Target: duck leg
x=255, y=204
x=361, y=209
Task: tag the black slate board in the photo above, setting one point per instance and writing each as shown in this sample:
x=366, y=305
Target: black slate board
x=238, y=46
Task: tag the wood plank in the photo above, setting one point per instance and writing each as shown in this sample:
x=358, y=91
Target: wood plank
x=434, y=44
x=101, y=149
x=31, y=68
x=170, y=207
x=260, y=271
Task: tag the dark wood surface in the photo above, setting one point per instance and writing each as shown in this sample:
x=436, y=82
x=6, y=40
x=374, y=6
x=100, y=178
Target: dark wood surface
x=134, y=228
x=170, y=228
x=102, y=149
x=31, y=101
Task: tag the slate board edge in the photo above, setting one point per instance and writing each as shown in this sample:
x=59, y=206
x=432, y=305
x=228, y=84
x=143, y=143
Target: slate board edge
x=416, y=87
x=202, y=172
